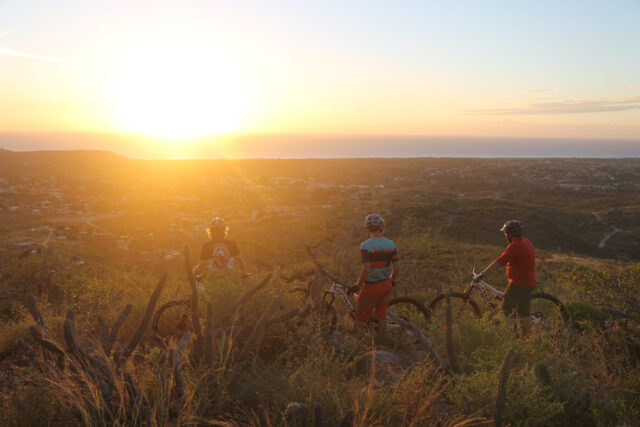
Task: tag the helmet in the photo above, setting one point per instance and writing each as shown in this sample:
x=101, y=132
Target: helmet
x=513, y=227
x=218, y=223
x=374, y=221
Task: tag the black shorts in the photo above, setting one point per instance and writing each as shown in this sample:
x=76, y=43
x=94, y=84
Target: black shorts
x=518, y=299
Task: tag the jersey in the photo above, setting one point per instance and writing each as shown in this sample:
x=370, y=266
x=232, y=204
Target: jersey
x=380, y=252
x=520, y=260
x=219, y=254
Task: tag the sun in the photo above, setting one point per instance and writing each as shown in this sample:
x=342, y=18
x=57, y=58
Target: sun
x=177, y=91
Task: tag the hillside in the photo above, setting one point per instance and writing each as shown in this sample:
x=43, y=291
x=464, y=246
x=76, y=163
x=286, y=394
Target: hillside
x=88, y=233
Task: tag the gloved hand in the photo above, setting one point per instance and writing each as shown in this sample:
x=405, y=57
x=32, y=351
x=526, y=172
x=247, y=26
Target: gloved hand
x=352, y=289
x=477, y=277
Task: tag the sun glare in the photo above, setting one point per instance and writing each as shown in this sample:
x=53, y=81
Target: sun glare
x=178, y=92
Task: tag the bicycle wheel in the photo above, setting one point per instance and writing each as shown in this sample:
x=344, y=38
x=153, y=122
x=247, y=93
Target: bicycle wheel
x=463, y=312
x=547, y=312
x=410, y=310
x=172, y=319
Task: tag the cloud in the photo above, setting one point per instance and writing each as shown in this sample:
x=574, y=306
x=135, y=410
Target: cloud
x=634, y=85
x=569, y=106
x=10, y=52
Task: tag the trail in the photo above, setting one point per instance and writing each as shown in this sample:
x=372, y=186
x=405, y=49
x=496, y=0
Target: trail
x=603, y=242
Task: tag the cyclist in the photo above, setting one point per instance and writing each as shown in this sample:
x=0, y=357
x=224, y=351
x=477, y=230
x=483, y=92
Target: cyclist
x=519, y=257
x=218, y=255
x=379, y=269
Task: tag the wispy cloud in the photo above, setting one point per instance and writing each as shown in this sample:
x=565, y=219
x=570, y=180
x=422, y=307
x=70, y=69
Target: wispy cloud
x=634, y=85
x=569, y=106
x=4, y=51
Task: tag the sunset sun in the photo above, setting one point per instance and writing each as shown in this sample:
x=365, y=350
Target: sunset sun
x=177, y=92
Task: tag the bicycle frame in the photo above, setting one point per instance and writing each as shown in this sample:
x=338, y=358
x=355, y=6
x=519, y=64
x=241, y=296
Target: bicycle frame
x=339, y=289
x=485, y=290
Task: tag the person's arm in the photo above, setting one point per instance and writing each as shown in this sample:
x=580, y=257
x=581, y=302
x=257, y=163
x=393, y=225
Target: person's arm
x=491, y=267
x=364, y=273
x=200, y=268
x=395, y=270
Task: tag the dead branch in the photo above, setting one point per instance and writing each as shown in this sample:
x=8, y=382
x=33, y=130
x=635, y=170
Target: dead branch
x=254, y=340
x=208, y=335
x=104, y=332
x=542, y=373
x=36, y=314
x=256, y=336
x=68, y=332
x=195, y=320
x=113, y=335
x=451, y=354
x=48, y=345
x=510, y=358
x=420, y=337
x=296, y=312
x=620, y=314
x=246, y=297
x=144, y=322
x=30, y=353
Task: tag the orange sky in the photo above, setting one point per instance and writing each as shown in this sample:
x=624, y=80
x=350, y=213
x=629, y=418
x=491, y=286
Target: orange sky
x=205, y=68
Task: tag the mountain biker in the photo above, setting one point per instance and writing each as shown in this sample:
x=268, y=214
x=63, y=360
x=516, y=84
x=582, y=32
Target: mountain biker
x=218, y=254
x=519, y=257
x=379, y=269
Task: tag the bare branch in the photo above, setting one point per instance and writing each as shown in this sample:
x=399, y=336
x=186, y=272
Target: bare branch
x=36, y=314
x=451, y=354
x=420, y=337
x=144, y=322
x=510, y=358
x=113, y=335
x=195, y=320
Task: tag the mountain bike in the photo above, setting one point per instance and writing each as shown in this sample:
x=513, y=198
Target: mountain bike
x=546, y=310
x=406, y=308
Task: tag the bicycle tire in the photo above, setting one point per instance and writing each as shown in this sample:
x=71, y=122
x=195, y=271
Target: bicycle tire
x=412, y=310
x=161, y=314
x=458, y=296
x=555, y=315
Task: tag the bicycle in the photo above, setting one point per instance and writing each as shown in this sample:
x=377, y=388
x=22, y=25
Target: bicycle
x=546, y=310
x=173, y=318
x=406, y=308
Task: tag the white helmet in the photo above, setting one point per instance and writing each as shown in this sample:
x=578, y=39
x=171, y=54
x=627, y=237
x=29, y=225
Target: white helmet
x=373, y=220
x=218, y=223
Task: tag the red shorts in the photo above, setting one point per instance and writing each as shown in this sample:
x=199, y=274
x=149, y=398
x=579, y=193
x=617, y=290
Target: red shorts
x=374, y=295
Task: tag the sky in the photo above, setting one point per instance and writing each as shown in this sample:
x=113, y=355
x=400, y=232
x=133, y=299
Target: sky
x=189, y=69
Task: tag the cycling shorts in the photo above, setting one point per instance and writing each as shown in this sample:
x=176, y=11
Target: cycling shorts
x=374, y=296
x=518, y=299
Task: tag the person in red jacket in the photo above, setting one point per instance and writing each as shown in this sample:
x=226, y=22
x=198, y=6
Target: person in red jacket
x=520, y=259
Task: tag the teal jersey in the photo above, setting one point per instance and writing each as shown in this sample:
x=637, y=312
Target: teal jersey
x=380, y=252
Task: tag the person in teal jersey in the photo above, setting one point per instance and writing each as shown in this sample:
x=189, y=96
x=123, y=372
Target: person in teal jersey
x=379, y=269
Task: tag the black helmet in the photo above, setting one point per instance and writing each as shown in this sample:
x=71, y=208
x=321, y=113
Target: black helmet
x=513, y=227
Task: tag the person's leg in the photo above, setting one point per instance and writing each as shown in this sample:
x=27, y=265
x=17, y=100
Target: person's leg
x=381, y=313
x=364, y=308
x=524, y=304
x=509, y=306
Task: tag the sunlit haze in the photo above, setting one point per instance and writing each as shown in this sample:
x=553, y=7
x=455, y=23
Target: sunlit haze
x=187, y=71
